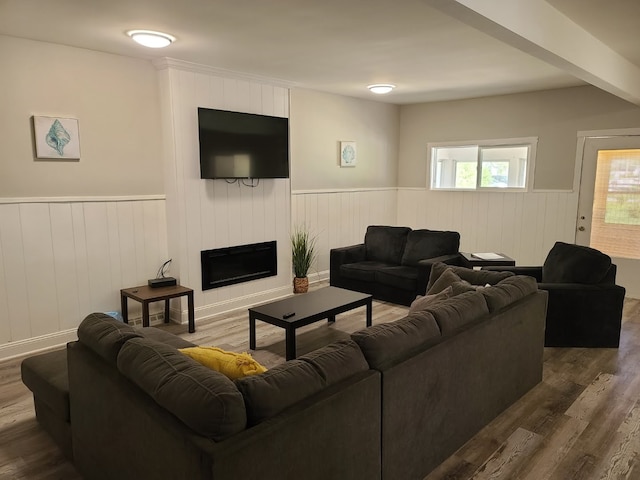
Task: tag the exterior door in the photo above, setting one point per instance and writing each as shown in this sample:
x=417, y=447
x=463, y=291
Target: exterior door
x=609, y=204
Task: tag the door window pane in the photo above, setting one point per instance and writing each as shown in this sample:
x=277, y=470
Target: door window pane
x=615, y=225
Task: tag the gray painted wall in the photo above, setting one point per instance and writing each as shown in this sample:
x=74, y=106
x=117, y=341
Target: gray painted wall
x=319, y=121
x=554, y=116
x=115, y=99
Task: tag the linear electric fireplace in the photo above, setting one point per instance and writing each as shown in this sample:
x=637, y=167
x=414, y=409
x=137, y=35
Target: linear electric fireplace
x=227, y=266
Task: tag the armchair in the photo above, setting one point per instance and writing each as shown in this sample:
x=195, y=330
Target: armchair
x=585, y=304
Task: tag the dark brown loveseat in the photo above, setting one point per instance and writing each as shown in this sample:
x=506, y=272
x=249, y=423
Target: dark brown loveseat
x=393, y=264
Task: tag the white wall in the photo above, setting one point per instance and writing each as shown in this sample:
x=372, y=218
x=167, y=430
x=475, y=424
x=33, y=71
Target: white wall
x=207, y=214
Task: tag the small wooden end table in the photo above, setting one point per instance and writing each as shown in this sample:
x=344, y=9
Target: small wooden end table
x=470, y=260
x=145, y=295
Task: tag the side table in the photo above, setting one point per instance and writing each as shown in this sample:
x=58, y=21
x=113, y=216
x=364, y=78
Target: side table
x=469, y=260
x=145, y=295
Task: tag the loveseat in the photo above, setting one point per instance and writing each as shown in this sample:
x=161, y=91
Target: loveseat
x=392, y=402
x=393, y=263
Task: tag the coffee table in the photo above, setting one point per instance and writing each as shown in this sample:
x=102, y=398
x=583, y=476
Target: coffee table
x=307, y=308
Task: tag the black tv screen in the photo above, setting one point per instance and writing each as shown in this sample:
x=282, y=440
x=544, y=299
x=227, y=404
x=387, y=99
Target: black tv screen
x=242, y=145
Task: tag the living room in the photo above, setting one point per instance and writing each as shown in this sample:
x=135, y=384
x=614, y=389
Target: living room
x=90, y=227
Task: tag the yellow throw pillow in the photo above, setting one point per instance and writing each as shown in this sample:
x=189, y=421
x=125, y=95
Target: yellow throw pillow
x=233, y=365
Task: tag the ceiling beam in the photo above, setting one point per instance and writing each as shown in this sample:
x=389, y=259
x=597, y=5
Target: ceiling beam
x=536, y=28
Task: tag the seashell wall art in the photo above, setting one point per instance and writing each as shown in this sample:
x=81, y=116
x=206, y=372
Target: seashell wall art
x=56, y=138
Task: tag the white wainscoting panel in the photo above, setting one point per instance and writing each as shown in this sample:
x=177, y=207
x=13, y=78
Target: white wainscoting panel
x=340, y=218
x=60, y=261
x=522, y=225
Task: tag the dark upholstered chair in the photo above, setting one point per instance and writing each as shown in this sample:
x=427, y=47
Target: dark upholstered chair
x=585, y=304
x=393, y=263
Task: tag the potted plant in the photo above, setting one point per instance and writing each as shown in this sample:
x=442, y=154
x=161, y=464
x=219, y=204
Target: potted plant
x=303, y=254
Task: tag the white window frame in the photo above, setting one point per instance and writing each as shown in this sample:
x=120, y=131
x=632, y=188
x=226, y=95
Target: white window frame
x=532, y=142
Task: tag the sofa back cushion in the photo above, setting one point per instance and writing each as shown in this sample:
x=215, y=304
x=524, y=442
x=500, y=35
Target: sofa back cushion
x=267, y=394
x=386, y=342
x=385, y=244
x=474, y=277
x=567, y=263
x=205, y=400
x=508, y=291
x=423, y=244
x=105, y=335
x=458, y=312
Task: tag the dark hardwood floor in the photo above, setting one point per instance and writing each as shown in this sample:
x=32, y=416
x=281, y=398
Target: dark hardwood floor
x=581, y=422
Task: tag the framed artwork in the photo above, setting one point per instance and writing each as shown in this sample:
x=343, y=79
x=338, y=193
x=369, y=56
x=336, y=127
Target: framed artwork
x=348, y=157
x=56, y=138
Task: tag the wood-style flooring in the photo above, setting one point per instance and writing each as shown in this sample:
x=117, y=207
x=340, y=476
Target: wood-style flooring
x=581, y=422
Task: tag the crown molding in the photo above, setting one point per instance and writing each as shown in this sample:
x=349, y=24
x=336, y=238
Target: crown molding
x=167, y=62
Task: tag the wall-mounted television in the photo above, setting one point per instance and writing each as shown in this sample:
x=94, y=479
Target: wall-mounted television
x=242, y=145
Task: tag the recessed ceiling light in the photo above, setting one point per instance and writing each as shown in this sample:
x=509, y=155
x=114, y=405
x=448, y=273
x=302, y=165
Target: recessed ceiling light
x=381, y=88
x=151, y=39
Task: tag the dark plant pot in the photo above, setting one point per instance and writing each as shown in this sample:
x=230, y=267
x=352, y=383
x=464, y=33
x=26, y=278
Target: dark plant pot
x=300, y=285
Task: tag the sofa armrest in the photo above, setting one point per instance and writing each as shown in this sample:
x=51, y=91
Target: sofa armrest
x=424, y=269
x=582, y=315
x=535, y=272
x=342, y=255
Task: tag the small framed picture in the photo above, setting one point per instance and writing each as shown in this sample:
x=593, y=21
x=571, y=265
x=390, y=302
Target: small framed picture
x=56, y=138
x=348, y=157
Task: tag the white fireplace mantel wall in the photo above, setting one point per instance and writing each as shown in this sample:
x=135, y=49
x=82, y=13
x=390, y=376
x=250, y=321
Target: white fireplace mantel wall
x=208, y=214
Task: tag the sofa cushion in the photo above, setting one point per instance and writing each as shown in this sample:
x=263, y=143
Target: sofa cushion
x=231, y=364
x=508, y=291
x=422, y=301
x=567, y=263
x=474, y=277
x=401, y=277
x=269, y=393
x=46, y=376
x=205, y=400
x=457, y=312
x=362, y=271
x=337, y=361
x=385, y=244
x=450, y=279
x=386, y=341
x=424, y=244
x=163, y=337
x=105, y=335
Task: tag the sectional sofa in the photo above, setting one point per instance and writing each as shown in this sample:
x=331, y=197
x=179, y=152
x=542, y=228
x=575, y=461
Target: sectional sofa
x=392, y=402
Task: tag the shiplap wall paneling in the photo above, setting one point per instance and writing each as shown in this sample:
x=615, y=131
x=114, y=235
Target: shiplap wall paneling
x=212, y=213
x=5, y=326
x=522, y=225
x=341, y=218
x=14, y=274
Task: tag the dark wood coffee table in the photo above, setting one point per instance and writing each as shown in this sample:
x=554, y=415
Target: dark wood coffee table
x=308, y=308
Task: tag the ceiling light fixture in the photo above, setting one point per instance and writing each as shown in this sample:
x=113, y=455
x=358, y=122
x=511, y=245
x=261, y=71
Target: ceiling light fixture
x=381, y=88
x=151, y=39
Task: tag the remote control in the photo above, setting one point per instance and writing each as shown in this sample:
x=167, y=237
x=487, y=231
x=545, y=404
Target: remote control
x=288, y=315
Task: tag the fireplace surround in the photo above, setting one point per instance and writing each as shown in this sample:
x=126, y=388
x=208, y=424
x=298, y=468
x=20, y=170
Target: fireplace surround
x=242, y=263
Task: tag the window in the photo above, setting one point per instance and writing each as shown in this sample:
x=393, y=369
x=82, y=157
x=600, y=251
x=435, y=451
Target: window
x=482, y=165
x=615, y=224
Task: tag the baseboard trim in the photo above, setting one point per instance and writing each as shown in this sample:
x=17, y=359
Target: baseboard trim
x=37, y=344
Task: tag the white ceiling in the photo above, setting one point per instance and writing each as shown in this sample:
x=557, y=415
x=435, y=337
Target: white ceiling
x=336, y=46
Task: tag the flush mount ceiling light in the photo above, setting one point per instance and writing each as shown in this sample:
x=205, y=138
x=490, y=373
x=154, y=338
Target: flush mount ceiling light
x=151, y=39
x=381, y=88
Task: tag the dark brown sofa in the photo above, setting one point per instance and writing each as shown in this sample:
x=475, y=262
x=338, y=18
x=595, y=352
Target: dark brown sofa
x=391, y=403
x=393, y=263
